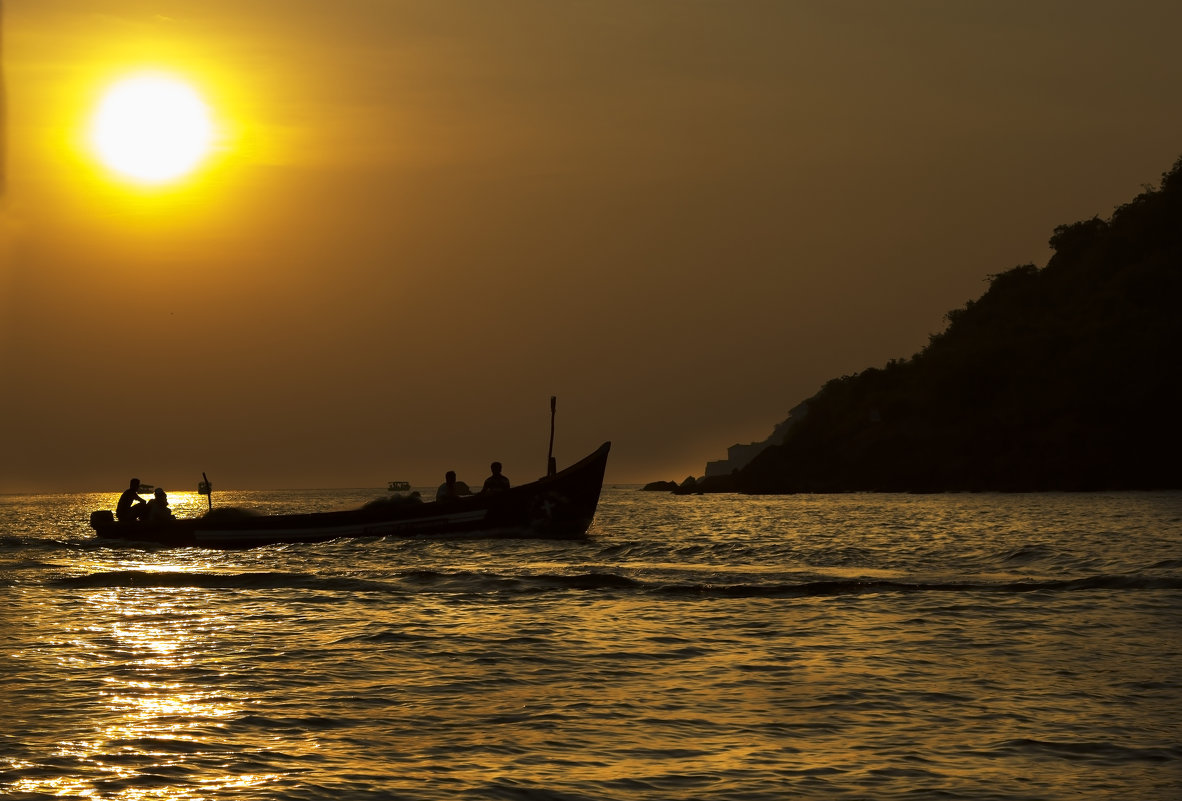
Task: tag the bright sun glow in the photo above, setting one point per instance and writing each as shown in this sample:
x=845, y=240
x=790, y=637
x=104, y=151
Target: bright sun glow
x=152, y=128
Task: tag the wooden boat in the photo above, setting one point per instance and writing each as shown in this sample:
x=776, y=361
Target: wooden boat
x=559, y=506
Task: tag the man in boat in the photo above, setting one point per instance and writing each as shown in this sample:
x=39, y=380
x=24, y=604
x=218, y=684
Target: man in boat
x=157, y=511
x=451, y=488
x=129, y=502
x=497, y=482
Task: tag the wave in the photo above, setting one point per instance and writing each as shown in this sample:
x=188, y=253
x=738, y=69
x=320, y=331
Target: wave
x=1104, y=751
x=881, y=586
x=413, y=580
x=203, y=580
x=1029, y=553
x=1167, y=564
x=468, y=582
x=24, y=542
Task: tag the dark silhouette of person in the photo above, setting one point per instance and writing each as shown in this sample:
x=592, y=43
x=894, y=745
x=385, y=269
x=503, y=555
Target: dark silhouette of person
x=126, y=509
x=451, y=488
x=157, y=511
x=497, y=482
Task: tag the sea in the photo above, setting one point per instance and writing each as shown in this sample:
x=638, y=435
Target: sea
x=860, y=646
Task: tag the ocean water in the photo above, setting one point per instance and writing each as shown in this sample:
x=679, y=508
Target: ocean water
x=704, y=647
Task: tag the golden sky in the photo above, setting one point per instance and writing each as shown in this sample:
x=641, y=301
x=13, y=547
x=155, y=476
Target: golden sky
x=422, y=219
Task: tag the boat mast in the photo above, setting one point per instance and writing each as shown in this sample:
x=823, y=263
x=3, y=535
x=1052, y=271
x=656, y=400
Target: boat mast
x=206, y=489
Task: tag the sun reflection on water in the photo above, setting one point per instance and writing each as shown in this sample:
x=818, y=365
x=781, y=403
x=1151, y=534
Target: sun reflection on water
x=859, y=647
x=159, y=706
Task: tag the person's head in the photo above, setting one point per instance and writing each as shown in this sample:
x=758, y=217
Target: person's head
x=496, y=468
x=160, y=496
x=135, y=483
x=450, y=476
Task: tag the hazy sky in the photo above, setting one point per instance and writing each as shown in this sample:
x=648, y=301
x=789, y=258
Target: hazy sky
x=425, y=218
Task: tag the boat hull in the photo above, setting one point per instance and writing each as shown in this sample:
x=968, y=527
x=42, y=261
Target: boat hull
x=561, y=506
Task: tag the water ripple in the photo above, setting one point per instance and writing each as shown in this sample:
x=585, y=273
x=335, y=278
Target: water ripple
x=838, y=647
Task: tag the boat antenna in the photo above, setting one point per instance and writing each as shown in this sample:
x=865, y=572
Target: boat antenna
x=206, y=489
x=551, y=465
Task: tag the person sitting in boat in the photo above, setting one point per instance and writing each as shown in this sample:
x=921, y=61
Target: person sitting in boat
x=157, y=509
x=497, y=482
x=450, y=488
x=129, y=502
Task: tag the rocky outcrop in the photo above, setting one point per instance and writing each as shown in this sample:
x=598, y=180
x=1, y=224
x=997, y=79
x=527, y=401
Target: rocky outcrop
x=660, y=486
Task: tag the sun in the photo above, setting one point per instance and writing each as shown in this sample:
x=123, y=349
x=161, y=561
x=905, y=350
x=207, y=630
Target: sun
x=152, y=128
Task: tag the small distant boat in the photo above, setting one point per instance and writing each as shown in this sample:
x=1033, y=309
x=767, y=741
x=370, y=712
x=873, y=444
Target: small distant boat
x=399, y=486
x=559, y=506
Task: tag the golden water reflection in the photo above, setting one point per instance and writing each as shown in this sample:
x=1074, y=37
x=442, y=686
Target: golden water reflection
x=161, y=701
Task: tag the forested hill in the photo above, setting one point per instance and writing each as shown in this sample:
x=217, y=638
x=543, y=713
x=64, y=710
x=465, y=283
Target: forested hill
x=1060, y=378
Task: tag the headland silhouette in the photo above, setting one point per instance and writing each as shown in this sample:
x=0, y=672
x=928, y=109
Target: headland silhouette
x=1059, y=378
